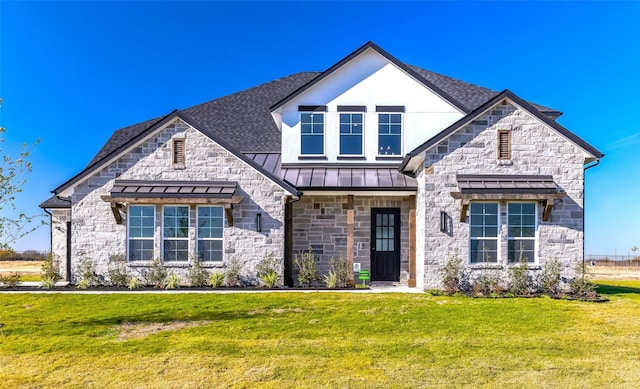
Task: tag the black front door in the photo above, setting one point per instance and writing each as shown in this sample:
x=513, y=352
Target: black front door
x=385, y=244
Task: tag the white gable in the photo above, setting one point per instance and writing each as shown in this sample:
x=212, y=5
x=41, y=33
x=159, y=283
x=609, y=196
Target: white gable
x=368, y=80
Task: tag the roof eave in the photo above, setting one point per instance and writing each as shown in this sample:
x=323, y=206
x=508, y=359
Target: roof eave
x=506, y=94
x=388, y=56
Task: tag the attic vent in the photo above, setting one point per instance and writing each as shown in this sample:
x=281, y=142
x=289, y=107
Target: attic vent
x=178, y=151
x=504, y=144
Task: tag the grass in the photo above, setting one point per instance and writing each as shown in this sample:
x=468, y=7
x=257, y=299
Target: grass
x=278, y=340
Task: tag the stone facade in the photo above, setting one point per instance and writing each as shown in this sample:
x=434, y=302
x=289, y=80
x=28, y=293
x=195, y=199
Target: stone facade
x=535, y=150
x=321, y=222
x=96, y=236
x=59, y=219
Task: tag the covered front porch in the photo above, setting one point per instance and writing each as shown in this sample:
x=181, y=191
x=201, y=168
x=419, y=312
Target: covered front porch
x=376, y=233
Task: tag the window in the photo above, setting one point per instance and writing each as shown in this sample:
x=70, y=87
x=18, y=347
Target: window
x=210, y=229
x=312, y=133
x=176, y=233
x=351, y=133
x=389, y=134
x=521, y=235
x=178, y=151
x=141, y=223
x=504, y=144
x=484, y=232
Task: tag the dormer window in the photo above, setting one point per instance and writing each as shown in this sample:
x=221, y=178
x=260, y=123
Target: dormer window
x=312, y=130
x=178, y=152
x=351, y=133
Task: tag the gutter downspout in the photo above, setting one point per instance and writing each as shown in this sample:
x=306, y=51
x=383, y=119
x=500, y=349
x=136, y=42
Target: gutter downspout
x=584, y=204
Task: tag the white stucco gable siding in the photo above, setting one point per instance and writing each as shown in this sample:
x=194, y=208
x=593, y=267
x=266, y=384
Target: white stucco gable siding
x=368, y=80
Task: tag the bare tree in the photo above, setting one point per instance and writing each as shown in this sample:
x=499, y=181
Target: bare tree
x=13, y=172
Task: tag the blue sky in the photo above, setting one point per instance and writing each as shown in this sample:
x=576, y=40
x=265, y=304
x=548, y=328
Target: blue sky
x=73, y=72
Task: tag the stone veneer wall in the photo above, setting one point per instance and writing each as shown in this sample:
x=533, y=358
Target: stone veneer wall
x=59, y=219
x=321, y=222
x=96, y=236
x=535, y=149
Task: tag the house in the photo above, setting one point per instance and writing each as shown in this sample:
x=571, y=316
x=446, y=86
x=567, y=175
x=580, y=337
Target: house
x=391, y=166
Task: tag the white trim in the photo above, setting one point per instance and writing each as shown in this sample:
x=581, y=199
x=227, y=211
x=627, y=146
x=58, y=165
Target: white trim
x=497, y=238
x=128, y=237
x=163, y=238
x=535, y=235
x=210, y=239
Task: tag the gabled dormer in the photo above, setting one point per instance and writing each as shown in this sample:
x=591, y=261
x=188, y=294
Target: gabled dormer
x=367, y=108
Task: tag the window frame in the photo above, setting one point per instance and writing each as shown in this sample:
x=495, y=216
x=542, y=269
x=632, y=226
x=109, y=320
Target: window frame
x=130, y=238
x=401, y=134
x=496, y=238
x=535, y=234
x=362, y=135
x=198, y=239
x=164, y=237
x=324, y=131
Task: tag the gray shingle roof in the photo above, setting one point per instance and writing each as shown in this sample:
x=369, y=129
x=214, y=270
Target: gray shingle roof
x=55, y=202
x=470, y=95
x=243, y=119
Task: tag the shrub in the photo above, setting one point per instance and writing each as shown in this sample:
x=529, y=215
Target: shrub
x=270, y=280
x=331, y=279
x=197, y=276
x=216, y=279
x=172, y=281
x=10, y=280
x=307, y=270
x=117, y=270
x=133, y=283
x=520, y=284
x=581, y=285
x=83, y=284
x=268, y=270
x=157, y=274
x=233, y=272
x=451, y=273
x=488, y=283
x=550, y=278
x=338, y=273
x=87, y=274
x=50, y=271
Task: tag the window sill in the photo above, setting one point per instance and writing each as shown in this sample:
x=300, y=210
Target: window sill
x=486, y=266
x=389, y=158
x=351, y=158
x=312, y=158
x=179, y=167
x=504, y=162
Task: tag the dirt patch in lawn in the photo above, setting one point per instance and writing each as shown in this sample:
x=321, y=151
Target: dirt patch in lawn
x=128, y=330
x=615, y=273
x=22, y=267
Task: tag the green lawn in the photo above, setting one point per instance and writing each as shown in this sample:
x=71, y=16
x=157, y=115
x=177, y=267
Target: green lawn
x=319, y=340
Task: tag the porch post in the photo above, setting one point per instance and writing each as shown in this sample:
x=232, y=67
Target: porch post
x=412, y=242
x=350, y=222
